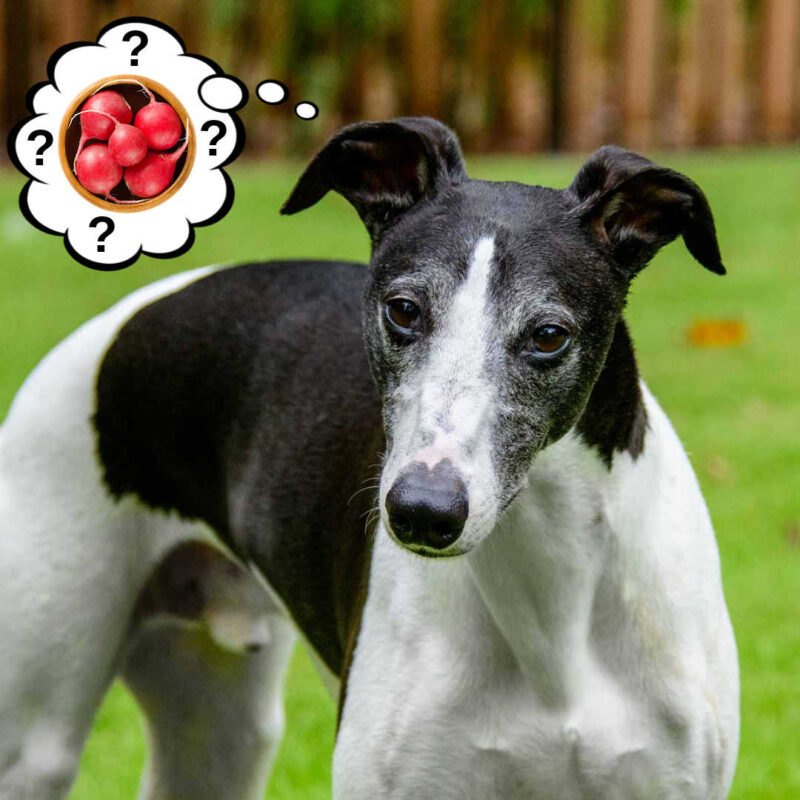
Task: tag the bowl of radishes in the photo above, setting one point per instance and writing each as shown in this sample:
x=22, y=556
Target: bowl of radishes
x=127, y=144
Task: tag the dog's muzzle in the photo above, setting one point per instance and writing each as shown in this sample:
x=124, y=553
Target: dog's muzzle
x=428, y=508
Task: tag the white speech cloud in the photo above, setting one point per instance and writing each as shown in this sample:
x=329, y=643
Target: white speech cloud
x=101, y=234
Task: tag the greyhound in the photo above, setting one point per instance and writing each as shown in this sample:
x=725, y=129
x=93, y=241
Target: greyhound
x=500, y=559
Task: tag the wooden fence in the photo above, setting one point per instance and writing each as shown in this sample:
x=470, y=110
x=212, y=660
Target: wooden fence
x=508, y=74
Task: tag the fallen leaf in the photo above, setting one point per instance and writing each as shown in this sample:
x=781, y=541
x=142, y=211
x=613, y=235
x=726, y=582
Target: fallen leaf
x=717, y=333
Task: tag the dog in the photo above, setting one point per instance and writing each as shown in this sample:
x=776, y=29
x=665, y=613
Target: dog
x=500, y=558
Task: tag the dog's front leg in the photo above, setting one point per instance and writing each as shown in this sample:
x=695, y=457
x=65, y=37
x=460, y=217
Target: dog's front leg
x=207, y=665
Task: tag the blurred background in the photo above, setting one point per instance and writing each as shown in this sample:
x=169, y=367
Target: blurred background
x=709, y=87
x=510, y=75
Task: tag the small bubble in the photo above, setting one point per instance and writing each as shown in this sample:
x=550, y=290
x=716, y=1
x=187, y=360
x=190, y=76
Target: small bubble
x=306, y=110
x=272, y=92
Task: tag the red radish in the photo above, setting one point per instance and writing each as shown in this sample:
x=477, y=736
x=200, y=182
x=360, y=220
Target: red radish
x=160, y=124
x=128, y=145
x=97, y=170
x=154, y=173
x=109, y=104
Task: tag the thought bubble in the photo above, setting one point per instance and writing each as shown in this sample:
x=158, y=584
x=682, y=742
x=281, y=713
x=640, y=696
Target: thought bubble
x=306, y=110
x=159, y=199
x=274, y=93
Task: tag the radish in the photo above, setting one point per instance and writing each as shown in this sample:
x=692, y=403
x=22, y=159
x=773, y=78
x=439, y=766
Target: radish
x=112, y=108
x=128, y=145
x=159, y=122
x=154, y=173
x=97, y=170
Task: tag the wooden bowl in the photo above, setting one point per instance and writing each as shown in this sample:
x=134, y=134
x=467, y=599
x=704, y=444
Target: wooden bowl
x=70, y=134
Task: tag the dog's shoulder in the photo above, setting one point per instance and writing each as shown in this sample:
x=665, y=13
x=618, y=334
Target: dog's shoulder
x=184, y=385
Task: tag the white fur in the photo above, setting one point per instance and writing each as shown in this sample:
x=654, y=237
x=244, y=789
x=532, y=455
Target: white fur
x=583, y=651
x=72, y=563
x=452, y=400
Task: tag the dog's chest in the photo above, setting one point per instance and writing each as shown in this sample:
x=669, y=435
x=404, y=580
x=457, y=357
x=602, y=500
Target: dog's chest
x=443, y=714
x=503, y=742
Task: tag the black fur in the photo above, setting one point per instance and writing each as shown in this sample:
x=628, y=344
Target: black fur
x=614, y=418
x=245, y=400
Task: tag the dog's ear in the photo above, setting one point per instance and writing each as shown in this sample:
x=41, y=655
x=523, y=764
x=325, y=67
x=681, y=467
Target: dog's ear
x=636, y=207
x=382, y=168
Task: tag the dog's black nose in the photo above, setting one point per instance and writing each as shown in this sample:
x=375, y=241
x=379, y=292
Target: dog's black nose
x=428, y=507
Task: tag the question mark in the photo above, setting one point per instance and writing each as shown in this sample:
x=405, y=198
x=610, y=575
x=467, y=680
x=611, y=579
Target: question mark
x=221, y=130
x=109, y=224
x=142, y=37
x=48, y=140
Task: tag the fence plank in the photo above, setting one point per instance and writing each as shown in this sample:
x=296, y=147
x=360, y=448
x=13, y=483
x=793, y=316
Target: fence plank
x=778, y=68
x=425, y=32
x=640, y=53
x=527, y=103
x=711, y=84
x=3, y=87
x=15, y=58
x=585, y=75
x=74, y=21
x=730, y=71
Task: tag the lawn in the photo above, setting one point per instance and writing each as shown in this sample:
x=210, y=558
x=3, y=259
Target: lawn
x=737, y=410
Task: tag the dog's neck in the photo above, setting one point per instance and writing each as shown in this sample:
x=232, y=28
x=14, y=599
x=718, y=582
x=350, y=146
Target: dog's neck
x=539, y=571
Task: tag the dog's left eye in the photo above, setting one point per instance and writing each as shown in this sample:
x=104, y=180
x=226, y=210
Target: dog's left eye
x=547, y=341
x=403, y=314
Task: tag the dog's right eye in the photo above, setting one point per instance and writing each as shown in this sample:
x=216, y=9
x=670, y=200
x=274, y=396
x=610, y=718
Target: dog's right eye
x=547, y=341
x=403, y=314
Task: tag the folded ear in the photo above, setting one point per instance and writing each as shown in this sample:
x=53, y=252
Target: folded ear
x=636, y=207
x=382, y=168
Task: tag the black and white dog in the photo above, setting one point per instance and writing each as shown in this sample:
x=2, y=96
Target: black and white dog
x=501, y=558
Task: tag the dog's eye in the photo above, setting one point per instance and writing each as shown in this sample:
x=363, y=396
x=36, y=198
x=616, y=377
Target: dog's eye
x=403, y=314
x=547, y=340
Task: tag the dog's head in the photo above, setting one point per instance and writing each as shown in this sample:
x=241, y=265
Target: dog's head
x=489, y=308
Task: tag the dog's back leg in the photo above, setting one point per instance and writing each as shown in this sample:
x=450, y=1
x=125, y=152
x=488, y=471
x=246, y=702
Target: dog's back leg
x=207, y=660
x=69, y=579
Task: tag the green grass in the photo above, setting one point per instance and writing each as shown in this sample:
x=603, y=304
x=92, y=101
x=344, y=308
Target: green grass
x=736, y=409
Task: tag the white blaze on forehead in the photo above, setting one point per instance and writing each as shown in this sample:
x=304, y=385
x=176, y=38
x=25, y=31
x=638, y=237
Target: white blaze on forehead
x=459, y=350
x=470, y=302
x=454, y=391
